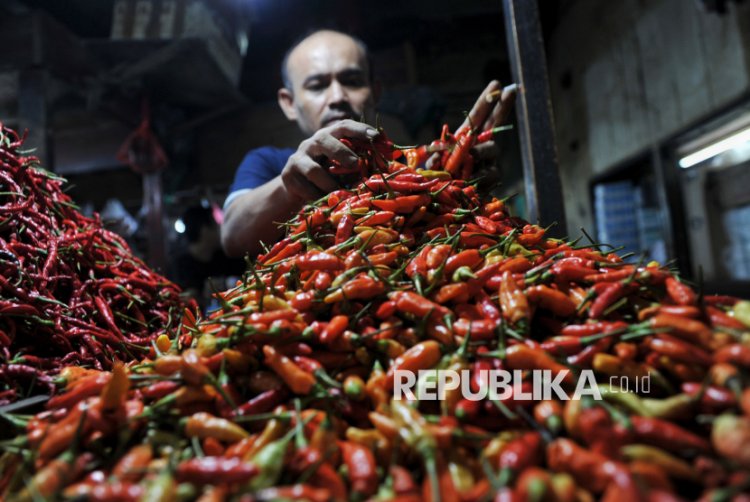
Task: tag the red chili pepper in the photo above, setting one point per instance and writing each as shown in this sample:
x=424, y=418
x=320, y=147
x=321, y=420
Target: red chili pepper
x=667, y=435
x=678, y=350
x=735, y=353
x=469, y=258
x=402, y=204
x=593, y=328
x=609, y=275
x=51, y=263
x=487, y=225
x=531, y=235
x=361, y=465
x=334, y=328
x=609, y=295
x=362, y=287
x=487, y=307
x=319, y=260
x=87, y=387
x=386, y=310
x=680, y=293
x=303, y=301
x=437, y=255
x=213, y=470
x=159, y=389
x=713, y=398
x=107, y=315
x=467, y=410
x=677, y=310
x=387, y=258
x=591, y=470
x=460, y=151
x=412, y=303
x=294, y=492
x=563, y=345
x=418, y=264
x=307, y=364
x=480, y=329
x=310, y=221
x=416, y=156
x=457, y=291
x=291, y=249
x=60, y=435
x=586, y=356
x=521, y=453
x=688, y=329
x=724, y=300
x=344, y=229
x=720, y=318
x=476, y=240
x=400, y=185
x=263, y=402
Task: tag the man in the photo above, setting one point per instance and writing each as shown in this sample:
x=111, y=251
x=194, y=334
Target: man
x=327, y=89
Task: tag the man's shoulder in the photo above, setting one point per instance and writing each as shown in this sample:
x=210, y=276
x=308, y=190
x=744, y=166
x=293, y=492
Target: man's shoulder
x=258, y=167
x=269, y=152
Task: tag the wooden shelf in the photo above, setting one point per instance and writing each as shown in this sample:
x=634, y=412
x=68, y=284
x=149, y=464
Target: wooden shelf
x=181, y=72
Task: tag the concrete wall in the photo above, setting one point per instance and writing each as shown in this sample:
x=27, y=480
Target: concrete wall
x=627, y=74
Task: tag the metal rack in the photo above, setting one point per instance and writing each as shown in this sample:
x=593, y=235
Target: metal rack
x=541, y=172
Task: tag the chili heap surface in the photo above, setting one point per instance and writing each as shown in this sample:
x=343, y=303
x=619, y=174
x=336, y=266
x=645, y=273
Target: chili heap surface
x=285, y=392
x=71, y=291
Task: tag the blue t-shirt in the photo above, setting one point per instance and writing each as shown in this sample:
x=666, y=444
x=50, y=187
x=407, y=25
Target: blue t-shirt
x=258, y=168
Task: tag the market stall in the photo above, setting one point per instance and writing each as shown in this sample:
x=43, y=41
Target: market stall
x=287, y=391
x=414, y=334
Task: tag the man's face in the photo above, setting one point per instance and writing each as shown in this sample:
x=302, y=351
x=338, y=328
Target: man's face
x=330, y=82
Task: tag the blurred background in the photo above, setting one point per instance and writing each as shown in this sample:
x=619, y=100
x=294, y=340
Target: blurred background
x=148, y=106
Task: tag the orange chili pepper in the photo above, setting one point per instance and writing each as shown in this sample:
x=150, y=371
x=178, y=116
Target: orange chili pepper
x=513, y=302
x=132, y=466
x=298, y=380
x=115, y=392
x=423, y=355
x=551, y=299
x=204, y=425
x=523, y=357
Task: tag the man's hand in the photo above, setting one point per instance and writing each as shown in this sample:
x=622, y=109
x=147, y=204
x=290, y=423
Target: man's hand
x=492, y=108
x=305, y=176
x=252, y=216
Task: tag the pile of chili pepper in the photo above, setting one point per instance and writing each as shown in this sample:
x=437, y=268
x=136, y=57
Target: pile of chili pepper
x=286, y=391
x=71, y=291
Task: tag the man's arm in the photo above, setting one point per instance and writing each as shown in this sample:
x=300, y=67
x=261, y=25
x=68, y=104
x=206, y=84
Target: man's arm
x=252, y=217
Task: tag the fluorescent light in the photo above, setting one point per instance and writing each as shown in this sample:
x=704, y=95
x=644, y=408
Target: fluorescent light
x=179, y=226
x=715, y=149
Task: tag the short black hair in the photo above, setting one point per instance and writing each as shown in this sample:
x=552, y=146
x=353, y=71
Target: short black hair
x=287, y=82
x=195, y=218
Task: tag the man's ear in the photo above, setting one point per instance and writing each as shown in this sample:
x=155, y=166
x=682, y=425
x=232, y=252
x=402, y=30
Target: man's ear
x=286, y=102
